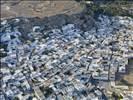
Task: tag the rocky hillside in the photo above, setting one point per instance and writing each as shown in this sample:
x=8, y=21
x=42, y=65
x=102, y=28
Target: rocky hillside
x=34, y=8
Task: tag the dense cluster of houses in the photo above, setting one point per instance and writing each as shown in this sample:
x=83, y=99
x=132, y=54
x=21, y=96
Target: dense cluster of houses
x=67, y=63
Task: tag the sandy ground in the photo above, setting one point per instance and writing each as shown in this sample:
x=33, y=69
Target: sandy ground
x=34, y=8
x=129, y=78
